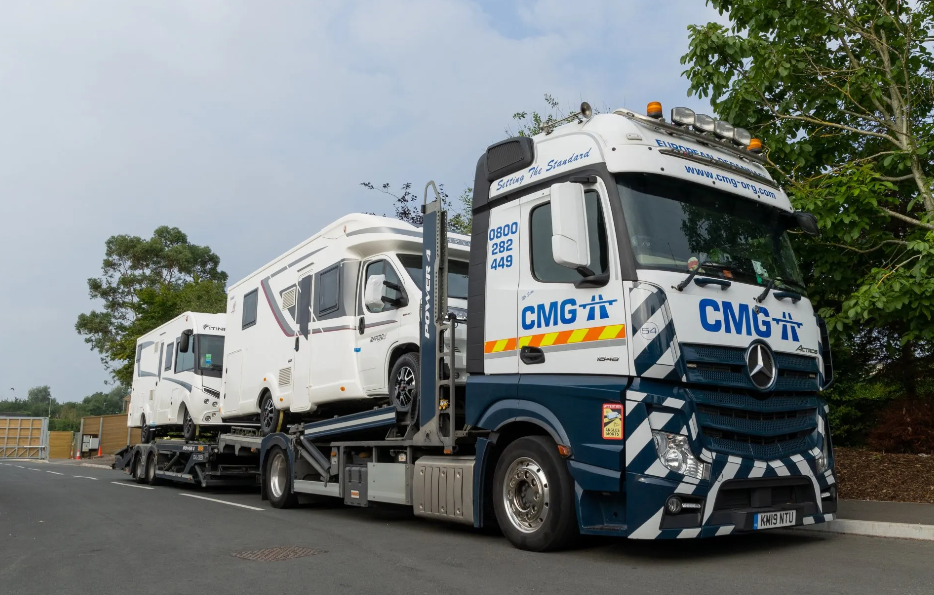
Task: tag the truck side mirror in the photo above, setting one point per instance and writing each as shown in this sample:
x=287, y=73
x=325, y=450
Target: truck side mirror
x=373, y=293
x=570, y=243
x=807, y=222
x=184, y=341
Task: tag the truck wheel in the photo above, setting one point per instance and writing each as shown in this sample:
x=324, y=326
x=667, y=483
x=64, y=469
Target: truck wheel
x=278, y=479
x=189, y=429
x=404, y=383
x=151, y=478
x=139, y=468
x=533, y=495
x=145, y=432
x=270, y=419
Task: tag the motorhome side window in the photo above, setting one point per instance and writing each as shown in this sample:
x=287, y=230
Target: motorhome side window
x=544, y=267
x=185, y=361
x=168, y=356
x=382, y=267
x=328, y=291
x=249, y=309
x=139, y=355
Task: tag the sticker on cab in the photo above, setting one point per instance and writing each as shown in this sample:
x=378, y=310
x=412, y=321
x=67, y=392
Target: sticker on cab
x=612, y=421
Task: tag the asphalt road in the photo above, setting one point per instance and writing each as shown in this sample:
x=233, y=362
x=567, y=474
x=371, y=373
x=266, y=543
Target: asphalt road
x=68, y=529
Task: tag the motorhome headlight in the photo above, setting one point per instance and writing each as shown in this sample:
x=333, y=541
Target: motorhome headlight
x=704, y=123
x=207, y=417
x=682, y=116
x=723, y=129
x=206, y=401
x=214, y=404
x=674, y=452
x=742, y=137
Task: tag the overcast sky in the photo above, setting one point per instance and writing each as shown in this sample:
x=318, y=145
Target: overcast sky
x=250, y=125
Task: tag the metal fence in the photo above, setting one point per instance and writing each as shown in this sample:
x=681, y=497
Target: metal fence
x=24, y=437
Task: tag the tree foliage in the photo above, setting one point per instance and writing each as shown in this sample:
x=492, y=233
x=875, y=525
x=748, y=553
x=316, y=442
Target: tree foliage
x=145, y=283
x=842, y=93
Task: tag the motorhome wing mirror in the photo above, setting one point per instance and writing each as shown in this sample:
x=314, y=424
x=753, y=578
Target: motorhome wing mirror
x=807, y=222
x=569, y=242
x=373, y=293
x=184, y=341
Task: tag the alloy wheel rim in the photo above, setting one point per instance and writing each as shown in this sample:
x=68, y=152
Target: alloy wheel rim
x=405, y=386
x=526, y=495
x=277, y=476
x=269, y=414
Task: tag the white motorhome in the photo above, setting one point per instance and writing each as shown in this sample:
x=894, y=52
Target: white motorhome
x=177, y=376
x=333, y=321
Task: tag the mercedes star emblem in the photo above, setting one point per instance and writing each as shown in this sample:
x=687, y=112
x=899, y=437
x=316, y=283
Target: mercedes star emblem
x=761, y=365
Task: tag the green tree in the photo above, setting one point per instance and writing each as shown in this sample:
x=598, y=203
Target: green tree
x=841, y=92
x=408, y=205
x=145, y=283
x=39, y=395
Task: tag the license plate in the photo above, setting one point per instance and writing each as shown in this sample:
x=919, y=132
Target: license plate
x=772, y=520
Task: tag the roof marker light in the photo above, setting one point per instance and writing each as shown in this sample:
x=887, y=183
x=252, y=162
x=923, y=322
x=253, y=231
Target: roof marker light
x=723, y=129
x=703, y=123
x=741, y=137
x=755, y=146
x=682, y=116
x=654, y=110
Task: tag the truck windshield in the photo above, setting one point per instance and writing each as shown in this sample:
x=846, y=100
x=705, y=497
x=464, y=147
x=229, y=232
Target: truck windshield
x=457, y=275
x=210, y=353
x=676, y=226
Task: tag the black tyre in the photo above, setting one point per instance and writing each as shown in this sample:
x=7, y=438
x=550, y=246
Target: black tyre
x=189, y=429
x=533, y=496
x=404, y=383
x=145, y=432
x=151, y=478
x=270, y=418
x=139, y=469
x=278, y=478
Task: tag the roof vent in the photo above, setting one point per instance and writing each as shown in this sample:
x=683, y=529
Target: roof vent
x=288, y=298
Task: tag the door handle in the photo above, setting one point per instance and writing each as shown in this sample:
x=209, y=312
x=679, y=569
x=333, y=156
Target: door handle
x=296, y=343
x=361, y=325
x=532, y=355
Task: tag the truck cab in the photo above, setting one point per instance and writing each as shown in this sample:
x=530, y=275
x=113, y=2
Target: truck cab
x=643, y=309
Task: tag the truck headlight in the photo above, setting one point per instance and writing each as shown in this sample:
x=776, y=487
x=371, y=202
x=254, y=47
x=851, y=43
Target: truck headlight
x=674, y=452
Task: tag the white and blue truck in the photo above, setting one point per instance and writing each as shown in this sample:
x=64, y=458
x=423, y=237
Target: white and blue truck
x=642, y=358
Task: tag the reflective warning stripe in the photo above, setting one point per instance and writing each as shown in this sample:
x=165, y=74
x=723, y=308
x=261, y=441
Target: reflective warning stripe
x=581, y=335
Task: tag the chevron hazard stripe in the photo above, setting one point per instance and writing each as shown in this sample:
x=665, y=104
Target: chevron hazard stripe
x=581, y=335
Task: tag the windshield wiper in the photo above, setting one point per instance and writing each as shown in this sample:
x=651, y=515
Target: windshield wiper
x=690, y=277
x=779, y=295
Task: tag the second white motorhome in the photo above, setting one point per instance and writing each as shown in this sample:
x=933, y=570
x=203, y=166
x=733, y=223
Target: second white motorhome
x=334, y=320
x=177, y=376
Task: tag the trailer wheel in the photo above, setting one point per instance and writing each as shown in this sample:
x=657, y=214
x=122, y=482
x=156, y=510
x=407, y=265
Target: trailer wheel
x=533, y=495
x=278, y=479
x=189, y=429
x=270, y=419
x=404, y=383
x=145, y=432
x=139, y=468
x=151, y=478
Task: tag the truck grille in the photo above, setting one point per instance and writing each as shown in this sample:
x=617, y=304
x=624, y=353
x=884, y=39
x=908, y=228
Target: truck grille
x=726, y=366
x=743, y=424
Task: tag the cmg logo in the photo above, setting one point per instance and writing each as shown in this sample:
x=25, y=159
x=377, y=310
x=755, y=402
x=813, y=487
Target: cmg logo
x=741, y=319
x=564, y=312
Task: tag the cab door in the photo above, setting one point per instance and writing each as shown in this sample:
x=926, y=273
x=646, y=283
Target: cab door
x=566, y=326
x=377, y=324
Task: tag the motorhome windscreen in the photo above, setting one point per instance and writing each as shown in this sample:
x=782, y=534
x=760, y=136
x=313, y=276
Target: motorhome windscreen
x=676, y=225
x=210, y=353
x=457, y=275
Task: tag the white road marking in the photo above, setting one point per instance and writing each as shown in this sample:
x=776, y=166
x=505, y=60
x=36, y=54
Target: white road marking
x=221, y=501
x=84, y=477
x=20, y=466
x=31, y=469
x=131, y=485
x=55, y=472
